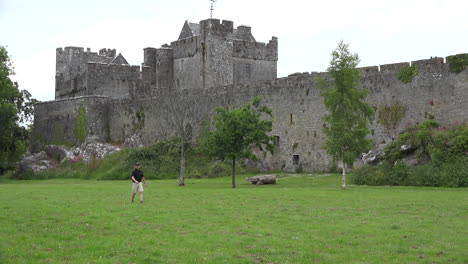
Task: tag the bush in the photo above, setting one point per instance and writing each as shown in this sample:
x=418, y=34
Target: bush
x=457, y=62
x=219, y=169
x=453, y=173
x=407, y=73
x=368, y=175
x=395, y=174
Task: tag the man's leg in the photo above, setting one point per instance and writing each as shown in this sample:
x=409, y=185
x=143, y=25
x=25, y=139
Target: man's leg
x=133, y=196
x=141, y=197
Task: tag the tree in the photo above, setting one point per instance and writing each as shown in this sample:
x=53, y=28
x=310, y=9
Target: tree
x=182, y=115
x=236, y=130
x=16, y=108
x=348, y=113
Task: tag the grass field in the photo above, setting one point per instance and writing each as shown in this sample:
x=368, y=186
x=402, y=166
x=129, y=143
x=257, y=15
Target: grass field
x=302, y=219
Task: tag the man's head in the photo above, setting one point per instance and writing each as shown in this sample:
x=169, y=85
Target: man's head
x=137, y=165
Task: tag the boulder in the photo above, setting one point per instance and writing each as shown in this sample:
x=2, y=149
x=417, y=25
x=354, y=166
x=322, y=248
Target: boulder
x=373, y=157
x=262, y=179
x=134, y=141
x=35, y=162
x=57, y=154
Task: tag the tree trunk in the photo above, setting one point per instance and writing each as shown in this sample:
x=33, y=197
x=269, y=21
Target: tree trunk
x=343, y=177
x=182, y=165
x=233, y=173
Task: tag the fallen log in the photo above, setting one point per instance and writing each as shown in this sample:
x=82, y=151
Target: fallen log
x=262, y=179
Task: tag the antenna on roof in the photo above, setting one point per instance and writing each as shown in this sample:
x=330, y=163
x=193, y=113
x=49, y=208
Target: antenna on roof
x=211, y=13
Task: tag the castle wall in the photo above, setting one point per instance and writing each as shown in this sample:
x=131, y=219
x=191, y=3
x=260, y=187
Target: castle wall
x=298, y=109
x=164, y=68
x=219, y=63
x=71, y=66
x=55, y=121
x=224, y=67
x=149, y=66
x=117, y=81
x=256, y=50
x=249, y=70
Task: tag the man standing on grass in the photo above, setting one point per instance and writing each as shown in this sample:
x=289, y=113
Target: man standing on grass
x=137, y=179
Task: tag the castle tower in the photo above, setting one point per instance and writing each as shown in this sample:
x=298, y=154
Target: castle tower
x=76, y=74
x=214, y=53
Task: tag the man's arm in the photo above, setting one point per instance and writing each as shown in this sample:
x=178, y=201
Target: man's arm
x=144, y=180
x=134, y=180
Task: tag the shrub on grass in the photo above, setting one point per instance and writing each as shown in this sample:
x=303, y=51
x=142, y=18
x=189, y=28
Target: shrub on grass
x=395, y=174
x=219, y=169
x=368, y=175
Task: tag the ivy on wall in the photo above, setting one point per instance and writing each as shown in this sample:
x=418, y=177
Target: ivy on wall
x=81, y=127
x=138, y=121
x=457, y=63
x=407, y=73
x=391, y=115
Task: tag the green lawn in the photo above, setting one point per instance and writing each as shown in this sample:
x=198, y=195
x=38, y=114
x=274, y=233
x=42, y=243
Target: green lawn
x=304, y=219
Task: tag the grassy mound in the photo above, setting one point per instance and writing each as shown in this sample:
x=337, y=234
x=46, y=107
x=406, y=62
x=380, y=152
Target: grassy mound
x=160, y=161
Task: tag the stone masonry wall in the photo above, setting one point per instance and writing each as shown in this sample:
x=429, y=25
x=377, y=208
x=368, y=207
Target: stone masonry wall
x=116, y=81
x=55, y=121
x=297, y=107
x=71, y=66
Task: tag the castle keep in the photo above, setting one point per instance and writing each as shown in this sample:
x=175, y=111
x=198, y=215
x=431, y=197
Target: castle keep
x=220, y=65
x=206, y=55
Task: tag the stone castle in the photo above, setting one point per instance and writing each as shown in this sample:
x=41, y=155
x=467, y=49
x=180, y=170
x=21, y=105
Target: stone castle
x=220, y=65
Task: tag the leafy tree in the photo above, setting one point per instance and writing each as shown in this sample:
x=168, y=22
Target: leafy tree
x=236, y=130
x=348, y=113
x=16, y=108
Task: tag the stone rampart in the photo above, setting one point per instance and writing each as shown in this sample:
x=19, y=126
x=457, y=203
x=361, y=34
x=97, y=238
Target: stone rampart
x=186, y=47
x=215, y=27
x=55, y=121
x=112, y=80
x=256, y=50
x=297, y=106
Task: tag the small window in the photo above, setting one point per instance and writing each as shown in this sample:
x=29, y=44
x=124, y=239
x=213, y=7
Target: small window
x=295, y=159
x=277, y=141
x=291, y=119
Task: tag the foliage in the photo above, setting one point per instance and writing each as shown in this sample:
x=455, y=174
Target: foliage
x=236, y=130
x=390, y=116
x=441, y=151
x=348, y=112
x=452, y=173
x=138, y=121
x=160, y=161
x=16, y=109
x=81, y=126
x=407, y=73
x=457, y=62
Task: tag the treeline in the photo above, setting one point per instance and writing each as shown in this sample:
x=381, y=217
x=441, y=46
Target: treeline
x=16, y=110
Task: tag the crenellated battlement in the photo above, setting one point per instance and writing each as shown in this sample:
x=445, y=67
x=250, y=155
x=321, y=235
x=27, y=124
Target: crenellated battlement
x=186, y=47
x=244, y=33
x=256, y=50
x=215, y=27
x=220, y=65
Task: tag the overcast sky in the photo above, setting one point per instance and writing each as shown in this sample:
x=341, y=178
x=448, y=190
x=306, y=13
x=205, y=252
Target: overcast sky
x=380, y=31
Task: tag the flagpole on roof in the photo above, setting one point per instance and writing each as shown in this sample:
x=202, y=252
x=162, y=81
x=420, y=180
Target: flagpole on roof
x=211, y=10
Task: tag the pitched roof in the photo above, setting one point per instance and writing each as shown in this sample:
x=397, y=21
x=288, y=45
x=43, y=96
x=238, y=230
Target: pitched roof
x=189, y=30
x=195, y=28
x=119, y=59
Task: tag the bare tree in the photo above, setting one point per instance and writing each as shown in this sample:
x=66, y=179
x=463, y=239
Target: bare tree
x=184, y=114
